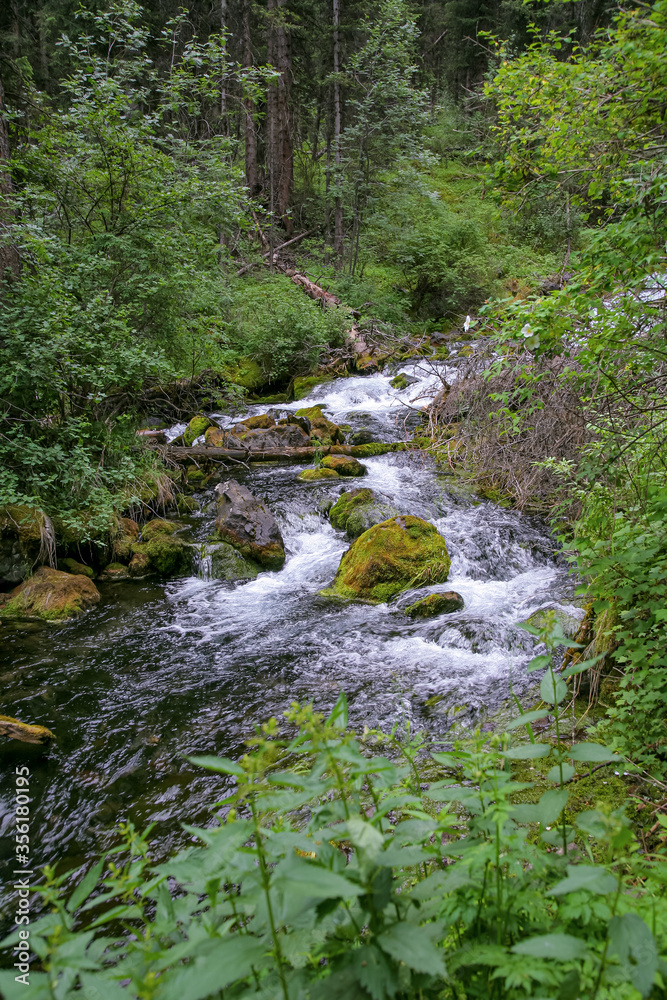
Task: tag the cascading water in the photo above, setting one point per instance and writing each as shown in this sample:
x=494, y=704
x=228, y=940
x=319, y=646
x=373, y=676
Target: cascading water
x=161, y=670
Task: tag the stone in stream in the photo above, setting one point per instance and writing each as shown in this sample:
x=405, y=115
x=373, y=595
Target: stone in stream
x=51, y=596
x=214, y=437
x=167, y=555
x=436, y=604
x=358, y=510
x=115, y=571
x=77, y=568
x=324, y=430
x=313, y=475
x=344, y=465
x=274, y=438
x=195, y=429
x=247, y=524
x=392, y=556
x=227, y=563
x=23, y=731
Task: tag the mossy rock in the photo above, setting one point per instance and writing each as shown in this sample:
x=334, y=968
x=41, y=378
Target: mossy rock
x=358, y=510
x=115, y=571
x=21, y=529
x=196, y=476
x=436, y=604
x=441, y=353
x=23, y=731
x=127, y=532
x=51, y=596
x=344, y=465
x=227, y=563
x=279, y=397
x=321, y=428
x=399, y=382
x=186, y=505
x=261, y=422
x=160, y=528
x=197, y=426
x=167, y=556
x=568, y=623
x=140, y=564
x=246, y=372
x=465, y=352
x=303, y=386
x=313, y=475
x=376, y=448
x=392, y=556
x=77, y=568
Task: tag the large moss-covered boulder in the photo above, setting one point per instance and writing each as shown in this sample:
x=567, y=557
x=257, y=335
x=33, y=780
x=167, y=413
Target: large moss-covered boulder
x=227, y=563
x=358, y=510
x=436, y=604
x=77, y=568
x=392, y=556
x=321, y=428
x=315, y=475
x=197, y=426
x=246, y=523
x=261, y=422
x=344, y=465
x=168, y=554
x=22, y=529
x=50, y=595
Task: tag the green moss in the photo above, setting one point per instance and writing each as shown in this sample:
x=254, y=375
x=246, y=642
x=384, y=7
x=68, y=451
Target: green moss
x=376, y=448
x=227, y=563
x=185, y=504
x=197, y=426
x=246, y=372
x=392, y=556
x=344, y=465
x=399, y=382
x=160, y=528
x=358, y=510
x=168, y=556
x=312, y=475
x=51, y=596
x=326, y=432
x=76, y=568
x=436, y=604
x=305, y=385
x=279, y=397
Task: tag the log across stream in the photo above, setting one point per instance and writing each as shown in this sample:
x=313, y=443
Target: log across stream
x=160, y=670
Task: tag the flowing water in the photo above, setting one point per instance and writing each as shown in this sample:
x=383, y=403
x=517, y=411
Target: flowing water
x=161, y=670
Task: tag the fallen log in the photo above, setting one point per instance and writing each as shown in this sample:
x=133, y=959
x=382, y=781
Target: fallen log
x=178, y=453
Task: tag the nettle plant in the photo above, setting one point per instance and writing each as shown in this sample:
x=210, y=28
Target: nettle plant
x=335, y=871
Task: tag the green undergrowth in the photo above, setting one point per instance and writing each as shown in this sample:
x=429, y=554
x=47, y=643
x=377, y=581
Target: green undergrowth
x=335, y=868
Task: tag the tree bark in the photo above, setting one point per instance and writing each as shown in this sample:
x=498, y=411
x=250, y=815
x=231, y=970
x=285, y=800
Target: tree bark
x=339, y=247
x=280, y=155
x=9, y=257
x=251, y=172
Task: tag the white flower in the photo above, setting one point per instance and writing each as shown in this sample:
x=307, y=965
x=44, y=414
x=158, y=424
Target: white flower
x=466, y=325
x=526, y=331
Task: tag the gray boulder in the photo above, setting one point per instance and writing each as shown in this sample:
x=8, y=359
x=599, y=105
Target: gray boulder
x=245, y=522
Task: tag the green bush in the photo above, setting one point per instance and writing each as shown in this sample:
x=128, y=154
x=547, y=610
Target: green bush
x=335, y=872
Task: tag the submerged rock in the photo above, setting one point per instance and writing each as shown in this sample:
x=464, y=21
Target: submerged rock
x=197, y=426
x=312, y=475
x=227, y=563
x=50, y=595
x=358, y=510
x=436, y=604
x=392, y=556
x=324, y=430
x=344, y=465
x=247, y=524
x=23, y=731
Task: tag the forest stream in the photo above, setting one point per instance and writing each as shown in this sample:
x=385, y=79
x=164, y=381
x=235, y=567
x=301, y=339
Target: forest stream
x=162, y=670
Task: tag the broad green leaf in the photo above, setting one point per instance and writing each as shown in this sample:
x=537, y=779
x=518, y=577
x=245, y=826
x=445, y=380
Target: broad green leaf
x=374, y=972
x=554, y=773
x=634, y=944
x=563, y=947
x=547, y=689
x=339, y=713
x=225, y=961
x=579, y=668
x=86, y=886
x=99, y=986
x=546, y=811
x=222, y=765
x=590, y=877
x=303, y=878
x=523, y=720
x=591, y=753
x=38, y=988
x=538, y=662
x=530, y=751
x=412, y=944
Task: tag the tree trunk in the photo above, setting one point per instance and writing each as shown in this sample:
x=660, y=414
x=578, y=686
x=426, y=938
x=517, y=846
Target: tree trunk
x=9, y=258
x=339, y=247
x=279, y=146
x=251, y=172
x=223, y=88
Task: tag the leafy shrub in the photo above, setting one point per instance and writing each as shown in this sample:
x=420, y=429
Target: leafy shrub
x=334, y=873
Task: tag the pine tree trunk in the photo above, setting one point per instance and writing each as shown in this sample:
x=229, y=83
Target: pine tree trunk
x=339, y=247
x=9, y=257
x=279, y=146
x=251, y=172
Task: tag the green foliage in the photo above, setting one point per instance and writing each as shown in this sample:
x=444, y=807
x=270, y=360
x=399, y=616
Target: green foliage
x=333, y=872
x=286, y=332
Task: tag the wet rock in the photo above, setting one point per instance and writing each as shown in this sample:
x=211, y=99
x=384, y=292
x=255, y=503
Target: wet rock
x=392, y=556
x=261, y=422
x=276, y=438
x=312, y=475
x=227, y=563
x=77, y=568
x=376, y=448
x=247, y=524
x=302, y=422
x=23, y=731
x=358, y=510
x=344, y=465
x=127, y=533
x=158, y=528
x=140, y=564
x=50, y=595
x=364, y=436
x=22, y=529
x=436, y=604
x=197, y=426
x=115, y=571
x=324, y=430
x=217, y=438
x=186, y=505
x=402, y=381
